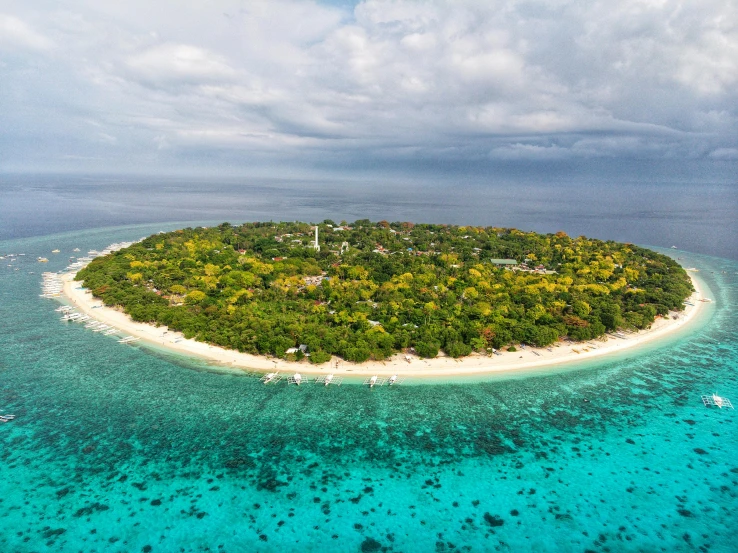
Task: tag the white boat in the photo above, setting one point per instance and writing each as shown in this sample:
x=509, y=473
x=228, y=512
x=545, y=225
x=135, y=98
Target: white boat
x=392, y=379
x=271, y=377
x=372, y=381
x=296, y=379
x=717, y=401
x=329, y=379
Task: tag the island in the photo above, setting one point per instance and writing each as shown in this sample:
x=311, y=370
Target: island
x=370, y=291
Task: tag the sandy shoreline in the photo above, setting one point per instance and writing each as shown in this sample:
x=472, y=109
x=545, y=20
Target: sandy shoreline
x=524, y=359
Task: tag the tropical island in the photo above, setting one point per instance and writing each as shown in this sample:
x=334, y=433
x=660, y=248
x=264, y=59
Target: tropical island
x=365, y=291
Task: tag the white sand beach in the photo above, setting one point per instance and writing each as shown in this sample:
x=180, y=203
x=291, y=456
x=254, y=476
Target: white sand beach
x=405, y=365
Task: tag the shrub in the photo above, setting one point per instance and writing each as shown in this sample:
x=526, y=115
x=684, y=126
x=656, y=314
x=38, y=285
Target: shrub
x=318, y=357
x=426, y=349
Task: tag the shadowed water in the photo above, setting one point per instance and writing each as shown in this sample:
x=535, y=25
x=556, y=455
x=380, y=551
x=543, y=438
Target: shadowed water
x=118, y=449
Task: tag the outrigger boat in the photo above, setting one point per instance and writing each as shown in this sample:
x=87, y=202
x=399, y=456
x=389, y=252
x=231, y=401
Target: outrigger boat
x=717, y=401
x=374, y=381
x=296, y=379
x=329, y=379
x=271, y=377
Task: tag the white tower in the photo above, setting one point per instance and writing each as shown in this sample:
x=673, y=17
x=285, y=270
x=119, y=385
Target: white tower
x=316, y=246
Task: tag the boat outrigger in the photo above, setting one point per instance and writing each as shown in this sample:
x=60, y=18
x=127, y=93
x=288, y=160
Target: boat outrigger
x=717, y=401
x=297, y=379
x=329, y=379
x=271, y=377
x=374, y=381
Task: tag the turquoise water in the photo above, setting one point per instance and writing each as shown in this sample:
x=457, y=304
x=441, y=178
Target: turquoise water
x=115, y=448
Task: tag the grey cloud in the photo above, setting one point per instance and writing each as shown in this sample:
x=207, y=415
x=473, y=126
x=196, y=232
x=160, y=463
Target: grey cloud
x=301, y=81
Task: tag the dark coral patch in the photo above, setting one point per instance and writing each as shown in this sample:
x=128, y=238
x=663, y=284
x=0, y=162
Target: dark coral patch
x=493, y=520
x=89, y=509
x=370, y=545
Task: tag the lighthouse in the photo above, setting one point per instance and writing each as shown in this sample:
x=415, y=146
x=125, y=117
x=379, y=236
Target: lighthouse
x=316, y=246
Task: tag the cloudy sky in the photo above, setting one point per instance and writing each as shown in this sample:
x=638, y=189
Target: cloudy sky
x=250, y=85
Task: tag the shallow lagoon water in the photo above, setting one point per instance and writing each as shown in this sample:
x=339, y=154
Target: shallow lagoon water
x=117, y=449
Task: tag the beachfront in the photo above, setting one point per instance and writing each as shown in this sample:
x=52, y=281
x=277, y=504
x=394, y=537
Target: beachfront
x=527, y=358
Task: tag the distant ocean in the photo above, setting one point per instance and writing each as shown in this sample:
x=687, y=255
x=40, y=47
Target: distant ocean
x=694, y=207
x=118, y=448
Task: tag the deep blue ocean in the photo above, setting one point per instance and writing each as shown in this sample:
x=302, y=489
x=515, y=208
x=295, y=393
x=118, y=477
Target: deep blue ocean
x=119, y=448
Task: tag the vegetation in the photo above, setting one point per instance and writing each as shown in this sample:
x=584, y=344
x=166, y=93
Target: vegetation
x=377, y=288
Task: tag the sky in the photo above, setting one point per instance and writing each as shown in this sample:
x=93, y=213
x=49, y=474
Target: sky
x=171, y=86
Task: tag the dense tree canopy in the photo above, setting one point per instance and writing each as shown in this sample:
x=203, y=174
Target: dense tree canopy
x=376, y=288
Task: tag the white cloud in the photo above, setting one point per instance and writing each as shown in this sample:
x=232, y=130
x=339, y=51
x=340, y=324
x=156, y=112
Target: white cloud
x=179, y=63
x=724, y=153
x=15, y=33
